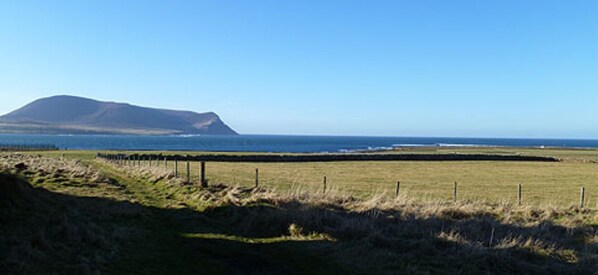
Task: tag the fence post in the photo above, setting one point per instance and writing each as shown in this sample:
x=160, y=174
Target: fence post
x=204, y=182
x=582, y=194
x=519, y=194
x=188, y=173
x=455, y=193
x=176, y=168
x=257, y=177
x=398, y=189
x=165, y=163
x=324, y=190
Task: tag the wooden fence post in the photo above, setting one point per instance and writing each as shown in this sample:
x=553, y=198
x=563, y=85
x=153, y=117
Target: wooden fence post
x=257, y=177
x=519, y=194
x=398, y=189
x=203, y=181
x=188, y=173
x=582, y=194
x=455, y=192
x=165, y=163
x=324, y=190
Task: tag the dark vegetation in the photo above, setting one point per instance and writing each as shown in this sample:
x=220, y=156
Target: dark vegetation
x=64, y=216
x=27, y=147
x=279, y=158
x=48, y=232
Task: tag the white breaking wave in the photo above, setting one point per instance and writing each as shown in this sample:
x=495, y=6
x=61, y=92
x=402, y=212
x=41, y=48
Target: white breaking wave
x=441, y=145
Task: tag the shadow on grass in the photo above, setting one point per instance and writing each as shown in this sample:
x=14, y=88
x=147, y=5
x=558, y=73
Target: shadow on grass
x=392, y=241
x=48, y=232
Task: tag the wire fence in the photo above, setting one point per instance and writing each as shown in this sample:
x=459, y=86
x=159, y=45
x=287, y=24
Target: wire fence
x=363, y=179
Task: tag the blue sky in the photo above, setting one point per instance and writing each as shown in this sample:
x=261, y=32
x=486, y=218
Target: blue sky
x=392, y=68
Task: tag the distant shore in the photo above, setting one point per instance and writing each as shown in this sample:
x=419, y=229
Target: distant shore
x=283, y=144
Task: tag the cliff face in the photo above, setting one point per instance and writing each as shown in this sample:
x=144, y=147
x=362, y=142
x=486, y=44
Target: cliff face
x=69, y=114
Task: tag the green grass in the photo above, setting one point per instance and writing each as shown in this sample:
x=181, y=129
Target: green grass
x=89, y=216
x=542, y=183
x=144, y=223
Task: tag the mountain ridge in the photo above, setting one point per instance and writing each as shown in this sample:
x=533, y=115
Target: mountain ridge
x=73, y=115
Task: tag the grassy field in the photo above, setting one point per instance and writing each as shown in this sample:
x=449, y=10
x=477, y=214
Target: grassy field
x=84, y=216
x=542, y=183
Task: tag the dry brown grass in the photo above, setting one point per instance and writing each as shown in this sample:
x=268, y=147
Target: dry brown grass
x=50, y=168
x=385, y=235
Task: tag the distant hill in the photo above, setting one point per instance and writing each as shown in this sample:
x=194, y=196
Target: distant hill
x=77, y=115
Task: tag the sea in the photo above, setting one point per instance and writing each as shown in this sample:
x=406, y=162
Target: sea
x=274, y=143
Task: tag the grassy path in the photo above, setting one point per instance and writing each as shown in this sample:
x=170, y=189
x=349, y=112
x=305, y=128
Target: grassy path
x=178, y=240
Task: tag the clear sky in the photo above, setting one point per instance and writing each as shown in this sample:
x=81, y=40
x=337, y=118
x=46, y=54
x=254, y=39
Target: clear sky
x=474, y=68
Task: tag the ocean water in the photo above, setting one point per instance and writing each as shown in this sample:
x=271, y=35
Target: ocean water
x=270, y=143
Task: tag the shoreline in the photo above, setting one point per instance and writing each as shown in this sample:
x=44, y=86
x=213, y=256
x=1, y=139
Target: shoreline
x=289, y=144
